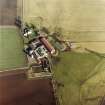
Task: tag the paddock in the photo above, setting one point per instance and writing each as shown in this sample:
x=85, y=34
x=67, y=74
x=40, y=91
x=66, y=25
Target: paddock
x=11, y=46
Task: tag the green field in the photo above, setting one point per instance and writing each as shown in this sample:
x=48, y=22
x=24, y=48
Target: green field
x=73, y=70
x=11, y=45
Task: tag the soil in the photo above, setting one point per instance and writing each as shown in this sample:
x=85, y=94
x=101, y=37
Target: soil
x=17, y=90
x=8, y=12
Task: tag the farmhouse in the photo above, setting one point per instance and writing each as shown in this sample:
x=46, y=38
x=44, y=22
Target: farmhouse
x=49, y=47
x=39, y=48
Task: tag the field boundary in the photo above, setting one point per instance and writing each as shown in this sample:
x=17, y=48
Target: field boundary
x=8, y=26
x=13, y=71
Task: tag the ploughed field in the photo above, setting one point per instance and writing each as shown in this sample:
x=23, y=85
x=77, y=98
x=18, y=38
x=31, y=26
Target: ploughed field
x=8, y=12
x=17, y=90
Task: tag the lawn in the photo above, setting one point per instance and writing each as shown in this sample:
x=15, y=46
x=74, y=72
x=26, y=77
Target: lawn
x=11, y=45
x=72, y=70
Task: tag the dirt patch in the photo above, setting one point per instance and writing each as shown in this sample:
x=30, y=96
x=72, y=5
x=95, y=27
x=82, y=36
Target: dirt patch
x=17, y=90
x=8, y=12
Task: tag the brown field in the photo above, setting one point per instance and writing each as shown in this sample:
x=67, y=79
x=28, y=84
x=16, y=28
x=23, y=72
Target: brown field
x=17, y=90
x=8, y=12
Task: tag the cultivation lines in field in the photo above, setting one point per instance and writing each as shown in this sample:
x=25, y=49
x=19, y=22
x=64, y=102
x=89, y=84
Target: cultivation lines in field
x=11, y=46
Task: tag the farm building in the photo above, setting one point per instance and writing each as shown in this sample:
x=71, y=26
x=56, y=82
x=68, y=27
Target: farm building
x=79, y=75
x=15, y=87
x=39, y=48
x=49, y=47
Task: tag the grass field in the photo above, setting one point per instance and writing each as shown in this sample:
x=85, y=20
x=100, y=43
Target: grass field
x=77, y=15
x=11, y=45
x=93, y=90
x=72, y=71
